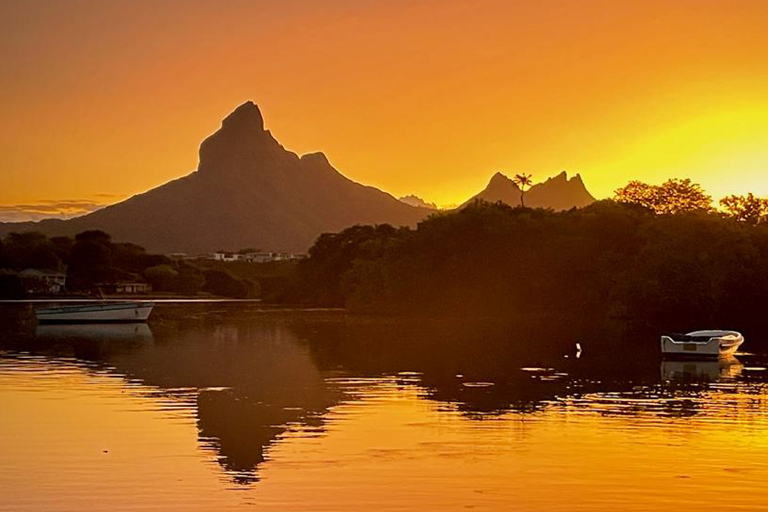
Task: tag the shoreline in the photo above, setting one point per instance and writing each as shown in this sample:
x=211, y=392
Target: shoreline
x=126, y=298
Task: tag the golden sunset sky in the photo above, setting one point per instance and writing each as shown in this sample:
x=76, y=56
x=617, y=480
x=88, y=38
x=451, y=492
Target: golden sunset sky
x=104, y=99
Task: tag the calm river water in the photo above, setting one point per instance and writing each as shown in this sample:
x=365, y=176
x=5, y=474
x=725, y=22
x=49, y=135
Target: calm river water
x=234, y=406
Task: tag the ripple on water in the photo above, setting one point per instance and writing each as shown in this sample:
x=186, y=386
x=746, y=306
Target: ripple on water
x=537, y=438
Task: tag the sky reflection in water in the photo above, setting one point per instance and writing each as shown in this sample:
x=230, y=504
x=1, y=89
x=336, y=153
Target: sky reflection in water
x=221, y=407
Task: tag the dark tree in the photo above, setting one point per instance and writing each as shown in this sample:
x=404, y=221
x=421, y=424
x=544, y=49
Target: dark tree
x=750, y=208
x=672, y=196
x=11, y=286
x=190, y=280
x=62, y=246
x=30, y=250
x=90, y=262
x=223, y=283
x=522, y=181
x=163, y=278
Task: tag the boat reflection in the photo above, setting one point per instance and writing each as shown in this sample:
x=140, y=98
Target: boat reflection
x=95, y=332
x=703, y=370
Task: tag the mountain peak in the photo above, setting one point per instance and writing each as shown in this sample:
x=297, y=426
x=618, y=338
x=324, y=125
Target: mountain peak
x=562, y=179
x=247, y=116
x=248, y=191
x=240, y=139
x=500, y=181
x=414, y=200
x=557, y=192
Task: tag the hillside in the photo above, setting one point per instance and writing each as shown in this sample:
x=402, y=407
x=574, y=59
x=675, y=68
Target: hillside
x=248, y=191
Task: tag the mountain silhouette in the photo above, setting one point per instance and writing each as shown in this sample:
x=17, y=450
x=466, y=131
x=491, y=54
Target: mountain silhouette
x=248, y=191
x=558, y=192
x=415, y=200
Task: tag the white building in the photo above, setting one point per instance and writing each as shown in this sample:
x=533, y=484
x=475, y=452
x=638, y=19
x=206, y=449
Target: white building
x=42, y=281
x=256, y=257
x=225, y=256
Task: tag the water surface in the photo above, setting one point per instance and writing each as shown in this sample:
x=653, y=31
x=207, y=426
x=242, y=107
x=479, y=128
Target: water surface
x=238, y=406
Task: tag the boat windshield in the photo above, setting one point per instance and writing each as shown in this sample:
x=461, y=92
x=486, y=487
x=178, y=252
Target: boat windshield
x=688, y=337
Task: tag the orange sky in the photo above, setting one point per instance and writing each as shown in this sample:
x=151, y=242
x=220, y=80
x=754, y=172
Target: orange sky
x=101, y=100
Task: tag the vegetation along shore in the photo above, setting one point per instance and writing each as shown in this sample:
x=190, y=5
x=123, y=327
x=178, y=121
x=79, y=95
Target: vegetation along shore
x=652, y=255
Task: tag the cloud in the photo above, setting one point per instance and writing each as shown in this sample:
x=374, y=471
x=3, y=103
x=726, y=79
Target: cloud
x=49, y=209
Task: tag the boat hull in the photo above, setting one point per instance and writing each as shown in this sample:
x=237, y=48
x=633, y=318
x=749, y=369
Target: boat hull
x=94, y=314
x=720, y=344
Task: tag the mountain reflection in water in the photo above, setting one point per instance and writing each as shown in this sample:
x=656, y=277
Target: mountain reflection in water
x=255, y=379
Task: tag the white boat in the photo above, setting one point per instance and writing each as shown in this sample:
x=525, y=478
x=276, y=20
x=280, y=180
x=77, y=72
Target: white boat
x=711, y=343
x=97, y=313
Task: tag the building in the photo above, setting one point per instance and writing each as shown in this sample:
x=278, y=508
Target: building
x=225, y=256
x=125, y=287
x=133, y=287
x=256, y=257
x=42, y=281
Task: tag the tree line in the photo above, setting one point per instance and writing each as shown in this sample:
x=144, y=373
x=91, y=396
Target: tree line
x=91, y=259
x=682, y=195
x=653, y=255
x=657, y=256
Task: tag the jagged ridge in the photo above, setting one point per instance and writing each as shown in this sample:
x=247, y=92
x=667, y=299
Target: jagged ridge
x=558, y=192
x=248, y=191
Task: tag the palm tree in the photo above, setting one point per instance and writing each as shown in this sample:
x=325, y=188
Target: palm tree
x=522, y=181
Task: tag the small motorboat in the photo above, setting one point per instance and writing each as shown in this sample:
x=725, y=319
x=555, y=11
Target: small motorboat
x=102, y=312
x=712, y=343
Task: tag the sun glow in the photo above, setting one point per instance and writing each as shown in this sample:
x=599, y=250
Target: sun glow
x=426, y=98
x=724, y=150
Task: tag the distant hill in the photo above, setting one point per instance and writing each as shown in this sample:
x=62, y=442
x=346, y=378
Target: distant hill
x=414, y=200
x=248, y=191
x=558, y=193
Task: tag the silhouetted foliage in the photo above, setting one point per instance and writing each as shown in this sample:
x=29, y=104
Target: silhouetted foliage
x=221, y=282
x=333, y=255
x=92, y=259
x=10, y=285
x=134, y=258
x=62, y=246
x=673, y=196
x=30, y=250
x=749, y=208
x=161, y=277
x=522, y=181
x=189, y=281
x=607, y=261
x=182, y=278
